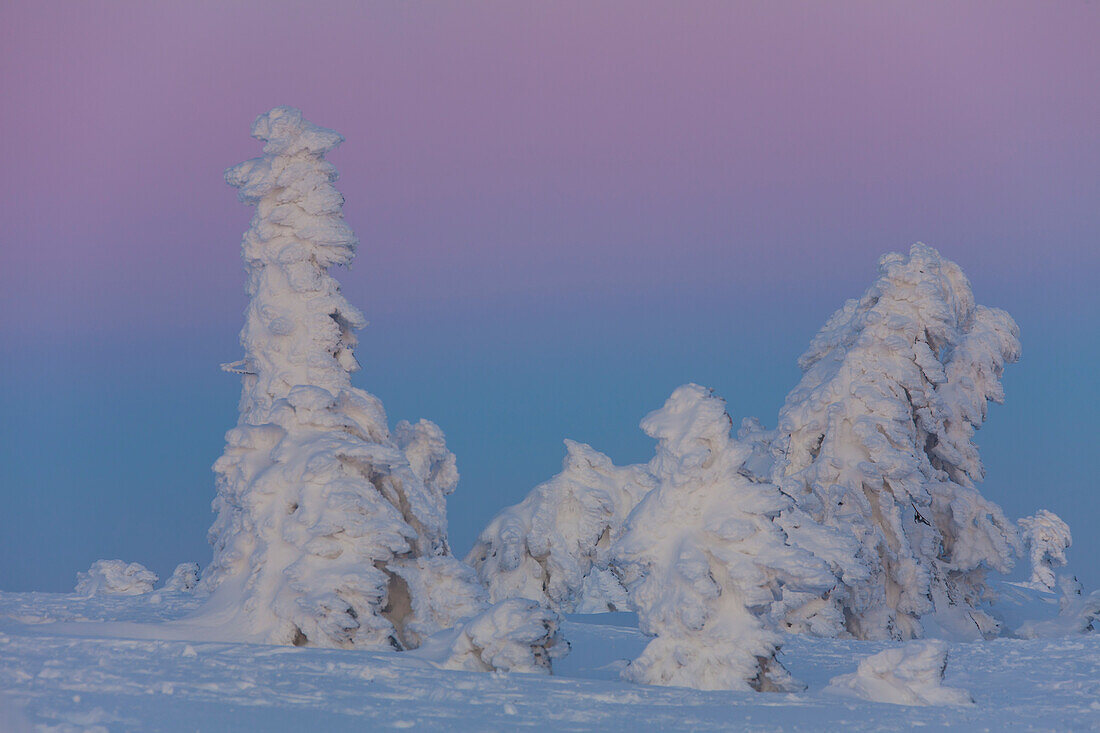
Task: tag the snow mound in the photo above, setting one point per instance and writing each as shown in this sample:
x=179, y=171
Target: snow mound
x=516, y=635
x=911, y=674
x=115, y=577
x=184, y=578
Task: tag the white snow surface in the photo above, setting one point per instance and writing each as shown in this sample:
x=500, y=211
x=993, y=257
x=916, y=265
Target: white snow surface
x=909, y=674
x=62, y=669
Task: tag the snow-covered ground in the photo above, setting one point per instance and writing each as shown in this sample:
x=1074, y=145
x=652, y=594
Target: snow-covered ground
x=62, y=670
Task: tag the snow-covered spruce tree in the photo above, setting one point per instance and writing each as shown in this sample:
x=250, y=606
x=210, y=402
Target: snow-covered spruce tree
x=1046, y=538
x=704, y=559
x=877, y=441
x=553, y=546
x=329, y=531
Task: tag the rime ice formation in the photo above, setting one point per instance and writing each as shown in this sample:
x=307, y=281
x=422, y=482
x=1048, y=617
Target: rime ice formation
x=704, y=559
x=877, y=441
x=516, y=635
x=330, y=531
x=115, y=577
x=911, y=674
x=1046, y=537
x=800, y=609
x=553, y=546
x=185, y=578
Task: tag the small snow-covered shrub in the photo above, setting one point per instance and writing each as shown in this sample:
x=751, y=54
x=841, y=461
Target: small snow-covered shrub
x=910, y=674
x=1047, y=537
x=516, y=635
x=703, y=558
x=553, y=546
x=115, y=577
x=184, y=578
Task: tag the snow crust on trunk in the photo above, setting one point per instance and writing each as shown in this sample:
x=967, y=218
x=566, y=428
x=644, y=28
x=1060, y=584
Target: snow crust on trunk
x=877, y=441
x=115, y=577
x=553, y=547
x=704, y=559
x=911, y=674
x=330, y=530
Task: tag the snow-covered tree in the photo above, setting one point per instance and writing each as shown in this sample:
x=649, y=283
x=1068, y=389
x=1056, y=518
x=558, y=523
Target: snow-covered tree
x=705, y=560
x=514, y=635
x=1047, y=538
x=330, y=531
x=184, y=579
x=553, y=546
x=877, y=441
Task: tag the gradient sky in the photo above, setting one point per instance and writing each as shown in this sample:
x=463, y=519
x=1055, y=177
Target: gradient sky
x=566, y=210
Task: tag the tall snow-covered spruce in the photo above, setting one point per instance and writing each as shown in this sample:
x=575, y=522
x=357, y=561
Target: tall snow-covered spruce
x=553, y=546
x=330, y=531
x=704, y=559
x=877, y=441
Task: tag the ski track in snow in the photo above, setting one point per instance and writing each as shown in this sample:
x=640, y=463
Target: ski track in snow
x=62, y=677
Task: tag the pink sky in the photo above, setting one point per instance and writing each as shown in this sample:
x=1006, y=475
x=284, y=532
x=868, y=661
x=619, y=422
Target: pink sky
x=645, y=144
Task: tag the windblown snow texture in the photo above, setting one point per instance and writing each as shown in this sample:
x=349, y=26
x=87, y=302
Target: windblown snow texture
x=703, y=558
x=553, y=546
x=122, y=664
x=877, y=441
x=330, y=531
